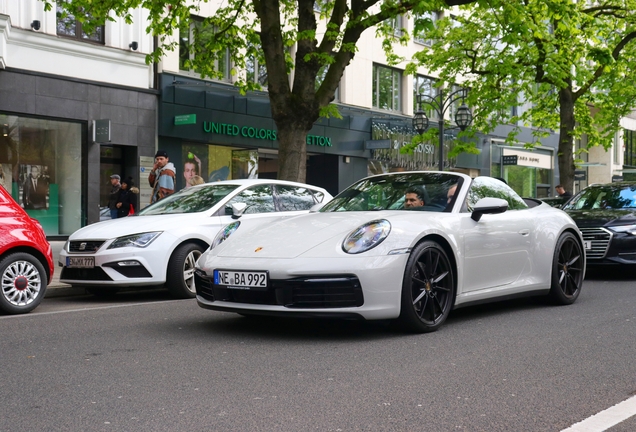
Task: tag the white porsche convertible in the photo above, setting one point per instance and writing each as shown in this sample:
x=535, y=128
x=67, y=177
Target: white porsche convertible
x=404, y=246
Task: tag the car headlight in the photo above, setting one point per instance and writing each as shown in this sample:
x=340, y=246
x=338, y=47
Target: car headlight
x=225, y=232
x=140, y=240
x=629, y=229
x=366, y=236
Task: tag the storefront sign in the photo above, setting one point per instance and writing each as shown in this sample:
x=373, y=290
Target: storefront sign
x=530, y=159
x=580, y=175
x=185, y=119
x=509, y=160
x=258, y=133
x=101, y=131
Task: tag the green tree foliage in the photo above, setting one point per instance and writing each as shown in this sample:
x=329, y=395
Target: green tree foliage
x=268, y=30
x=572, y=62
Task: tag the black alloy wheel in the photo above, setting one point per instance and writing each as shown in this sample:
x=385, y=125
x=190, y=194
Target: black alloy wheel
x=567, y=270
x=428, y=289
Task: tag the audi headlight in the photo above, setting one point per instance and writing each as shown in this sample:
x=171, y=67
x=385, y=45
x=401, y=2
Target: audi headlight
x=366, y=236
x=629, y=229
x=225, y=232
x=140, y=240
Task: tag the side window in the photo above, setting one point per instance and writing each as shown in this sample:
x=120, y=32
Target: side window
x=488, y=187
x=259, y=199
x=291, y=198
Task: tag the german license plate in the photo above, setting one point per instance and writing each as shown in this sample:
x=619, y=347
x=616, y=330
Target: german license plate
x=588, y=244
x=241, y=279
x=80, y=262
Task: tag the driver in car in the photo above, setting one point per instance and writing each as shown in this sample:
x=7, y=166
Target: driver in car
x=413, y=198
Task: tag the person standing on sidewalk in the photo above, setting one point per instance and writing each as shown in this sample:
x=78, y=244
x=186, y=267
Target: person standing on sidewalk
x=127, y=201
x=114, y=195
x=162, y=177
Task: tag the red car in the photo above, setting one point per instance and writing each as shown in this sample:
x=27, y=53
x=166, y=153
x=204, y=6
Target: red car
x=26, y=259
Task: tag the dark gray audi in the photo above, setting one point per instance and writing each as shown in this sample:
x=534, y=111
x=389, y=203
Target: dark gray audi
x=606, y=216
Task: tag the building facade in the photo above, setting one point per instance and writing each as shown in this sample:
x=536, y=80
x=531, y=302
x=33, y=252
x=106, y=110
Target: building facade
x=55, y=82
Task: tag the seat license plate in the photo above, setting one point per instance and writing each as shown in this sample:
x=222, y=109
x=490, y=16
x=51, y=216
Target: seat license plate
x=241, y=279
x=588, y=244
x=80, y=262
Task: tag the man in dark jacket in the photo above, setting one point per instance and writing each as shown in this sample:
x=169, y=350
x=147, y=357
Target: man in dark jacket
x=114, y=195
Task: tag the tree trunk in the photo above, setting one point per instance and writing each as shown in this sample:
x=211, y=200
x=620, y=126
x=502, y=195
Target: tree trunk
x=292, y=154
x=566, y=140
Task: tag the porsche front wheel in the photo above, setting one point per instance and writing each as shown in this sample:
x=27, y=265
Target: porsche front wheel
x=428, y=289
x=567, y=270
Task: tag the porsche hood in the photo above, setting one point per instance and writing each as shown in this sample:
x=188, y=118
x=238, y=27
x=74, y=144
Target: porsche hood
x=291, y=237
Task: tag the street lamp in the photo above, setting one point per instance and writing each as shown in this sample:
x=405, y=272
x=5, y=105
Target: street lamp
x=463, y=116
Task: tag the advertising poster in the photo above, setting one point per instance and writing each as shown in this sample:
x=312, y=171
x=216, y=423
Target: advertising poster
x=220, y=162
x=194, y=167
x=5, y=176
x=34, y=187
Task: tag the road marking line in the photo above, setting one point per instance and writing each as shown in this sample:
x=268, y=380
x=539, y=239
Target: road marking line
x=606, y=419
x=32, y=315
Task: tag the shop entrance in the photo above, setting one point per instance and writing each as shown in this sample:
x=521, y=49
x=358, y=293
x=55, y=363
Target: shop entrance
x=115, y=159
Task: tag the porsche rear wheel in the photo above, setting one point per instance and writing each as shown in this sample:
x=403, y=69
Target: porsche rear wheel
x=567, y=270
x=23, y=283
x=428, y=289
x=180, y=277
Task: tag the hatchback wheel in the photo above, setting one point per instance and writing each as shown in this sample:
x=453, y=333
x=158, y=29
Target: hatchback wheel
x=180, y=277
x=23, y=281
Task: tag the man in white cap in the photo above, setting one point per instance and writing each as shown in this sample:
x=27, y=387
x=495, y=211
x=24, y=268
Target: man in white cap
x=114, y=195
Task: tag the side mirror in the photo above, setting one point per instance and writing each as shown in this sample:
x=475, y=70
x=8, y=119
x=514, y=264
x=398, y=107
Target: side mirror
x=488, y=206
x=238, y=209
x=314, y=208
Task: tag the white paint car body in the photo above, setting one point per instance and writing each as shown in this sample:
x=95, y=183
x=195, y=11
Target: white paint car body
x=111, y=268
x=505, y=253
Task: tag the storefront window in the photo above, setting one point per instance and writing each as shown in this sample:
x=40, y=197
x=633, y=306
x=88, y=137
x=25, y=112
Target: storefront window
x=40, y=161
x=530, y=176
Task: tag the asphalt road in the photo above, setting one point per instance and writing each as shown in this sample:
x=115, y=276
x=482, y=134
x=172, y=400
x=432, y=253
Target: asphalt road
x=144, y=362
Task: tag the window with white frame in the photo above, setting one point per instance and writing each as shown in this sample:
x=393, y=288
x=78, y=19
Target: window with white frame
x=188, y=50
x=387, y=88
x=256, y=71
x=397, y=24
x=320, y=77
x=68, y=26
x=419, y=35
x=425, y=86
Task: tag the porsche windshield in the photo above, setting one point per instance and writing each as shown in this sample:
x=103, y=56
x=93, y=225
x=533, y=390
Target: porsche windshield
x=604, y=197
x=191, y=200
x=409, y=191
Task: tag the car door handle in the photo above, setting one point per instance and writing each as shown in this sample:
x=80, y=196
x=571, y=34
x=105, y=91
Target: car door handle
x=524, y=232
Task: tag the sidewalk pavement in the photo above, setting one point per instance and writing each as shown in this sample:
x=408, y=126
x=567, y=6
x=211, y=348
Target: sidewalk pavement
x=57, y=288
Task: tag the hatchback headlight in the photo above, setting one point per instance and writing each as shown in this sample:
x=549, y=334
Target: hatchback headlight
x=366, y=236
x=140, y=240
x=629, y=229
x=225, y=232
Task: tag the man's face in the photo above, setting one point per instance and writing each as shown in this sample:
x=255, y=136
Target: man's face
x=35, y=172
x=161, y=161
x=189, y=171
x=114, y=181
x=450, y=194
x=411, y=200
x=560, y=190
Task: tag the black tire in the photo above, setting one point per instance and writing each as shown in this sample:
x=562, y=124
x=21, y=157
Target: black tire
x=103, y=292
x=428, y=289
x=180, y=276
x=23, y=282
x=567, y=270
